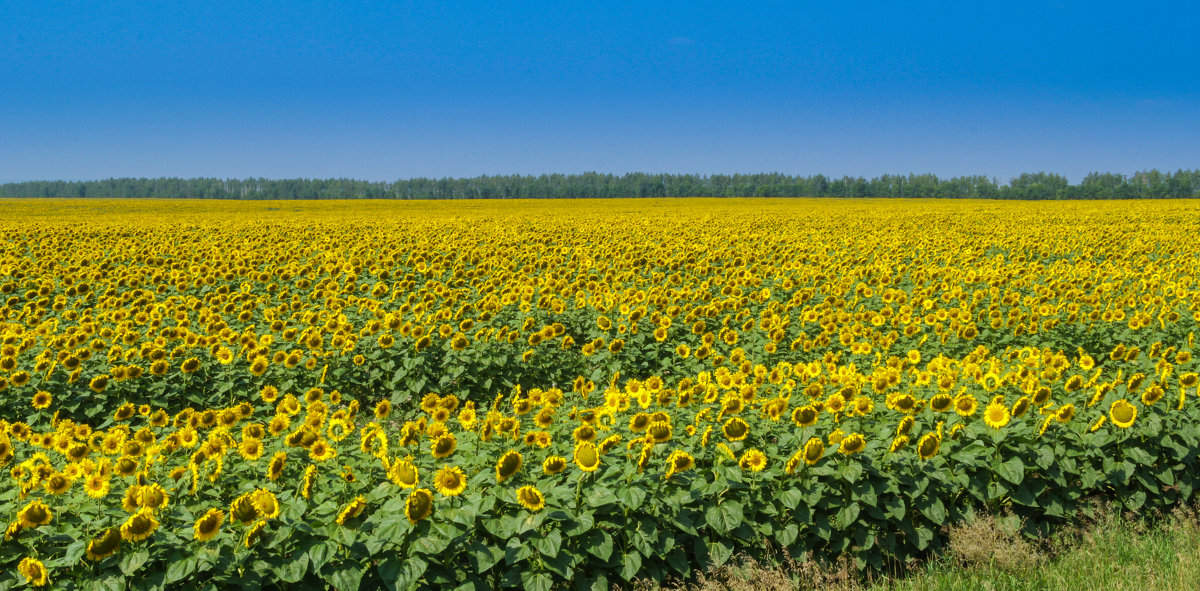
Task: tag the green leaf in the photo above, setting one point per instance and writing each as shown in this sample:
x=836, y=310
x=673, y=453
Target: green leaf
x=847, y=515
x=631, y=563
x=484, y=556
x=549, y=544
x=536, y=581
x=1013, y=470
x=787, y=534
x=724, y=517
x=935, y=510
x=179, y=567
x=852, y=471
x=345, y=577
x=719, y=552
x=291, y=571
x=132, y=561
x=790, y=498
x=401, y=573
x=320, y=553
x=600, y=544
x=632, y=497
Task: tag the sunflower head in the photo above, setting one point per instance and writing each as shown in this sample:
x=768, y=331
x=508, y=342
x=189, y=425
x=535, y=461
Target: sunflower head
x=419, y=505
x=805, y=416
x=450, y=481
x=1122, y=413
x=34, y=571
x=753, y=460
x=814, y=450
x=105, y=544
x=139, y=526
x=404, y=473
x=509, y=464
x=927, y=445
x=34, y=514
x=996, y=415
x=352, y=510
x=209, y=525
x=531, y=498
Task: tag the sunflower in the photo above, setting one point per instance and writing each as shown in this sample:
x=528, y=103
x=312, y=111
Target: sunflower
x=189, y=365
x=659, y=431
x=1152, y=395
x=1021, y=406
x=927, y=445
x=1041, y=396
x=275, y=467
x=97, y=486
x=34, y=571
x=444, y=446
x=308, y=480
x=269, y=394
x=1065, y=413
x=965, y=405
x=507, y=465
x=941, y=403
x=139, y=526
x=208, y=526
x=42, y=399
x=265, y=503
x=852, y=444
x=125, y=412
x=250, y=449
x=34, y=514
x=352, y=510
x=404, y=473
x=253, y=533
x=152, y=496
x=419, y=505
x=996, y=415
x=677, y=462
x=321, y=451
x=814, y=450
x=553, y=465
x=242, y=509
x=531, y=498
x=383, y=408
x=58, y=484
x=450, y=481
x=735, y=429
x=587, y=457
x=753, y=460
x=805, y=416
x=1122, y=413
x=104, y=545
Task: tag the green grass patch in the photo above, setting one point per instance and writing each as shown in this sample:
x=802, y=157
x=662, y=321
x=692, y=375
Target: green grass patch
x=1113, y=553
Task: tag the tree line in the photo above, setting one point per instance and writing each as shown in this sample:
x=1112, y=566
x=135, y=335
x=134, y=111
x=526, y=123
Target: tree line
x=1151, y=184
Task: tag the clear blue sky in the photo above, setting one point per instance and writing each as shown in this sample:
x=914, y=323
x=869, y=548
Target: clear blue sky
x=388, y=90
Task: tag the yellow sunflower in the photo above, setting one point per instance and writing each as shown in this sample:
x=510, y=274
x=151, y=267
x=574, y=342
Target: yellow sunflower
x=209, y=525
x=1122, y=413
x=450, y=481
x=531, y=498
x=507, y=465
x=419, y=505
x=104, y=545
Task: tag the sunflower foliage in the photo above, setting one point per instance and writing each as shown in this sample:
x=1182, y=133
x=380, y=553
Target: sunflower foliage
x=484, y=399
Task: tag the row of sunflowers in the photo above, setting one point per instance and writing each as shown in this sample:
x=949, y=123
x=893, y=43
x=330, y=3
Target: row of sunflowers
x=484, y=398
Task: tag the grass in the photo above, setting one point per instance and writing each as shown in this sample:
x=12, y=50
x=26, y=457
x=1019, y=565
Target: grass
x=1111, y=553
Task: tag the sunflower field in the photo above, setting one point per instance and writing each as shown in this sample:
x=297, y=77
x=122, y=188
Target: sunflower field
x=575, y=394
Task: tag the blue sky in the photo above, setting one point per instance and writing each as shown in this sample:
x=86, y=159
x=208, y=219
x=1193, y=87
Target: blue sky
x=388, y=90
